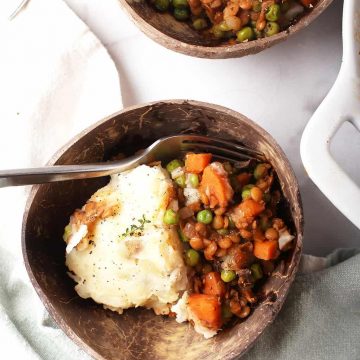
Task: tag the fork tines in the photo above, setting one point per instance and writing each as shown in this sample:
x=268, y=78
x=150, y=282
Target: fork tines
x=221, y=149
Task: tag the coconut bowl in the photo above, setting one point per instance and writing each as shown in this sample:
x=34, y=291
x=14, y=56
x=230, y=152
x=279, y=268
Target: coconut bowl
x=181, y=37
x=138, y=333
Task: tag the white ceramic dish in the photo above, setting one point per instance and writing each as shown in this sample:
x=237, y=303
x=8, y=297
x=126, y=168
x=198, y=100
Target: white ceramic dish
x=342, y=104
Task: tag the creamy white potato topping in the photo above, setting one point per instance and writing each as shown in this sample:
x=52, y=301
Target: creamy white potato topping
x=119, y=251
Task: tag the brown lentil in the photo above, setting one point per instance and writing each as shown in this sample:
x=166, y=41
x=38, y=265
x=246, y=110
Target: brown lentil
x=233, y=22
x=245, y=312
x=225, y=242
x=244, y=17
x=218, y=222
x=206, y=242
x=220, y=252
x=245, y=4
x=234, y=237
x=210, y=251
x=231, y=9
x=220, y=211
x=256, y=193
x=235, y=307
x=196, y=243
x=226, y=222
x=201, y=229
x=246, y=234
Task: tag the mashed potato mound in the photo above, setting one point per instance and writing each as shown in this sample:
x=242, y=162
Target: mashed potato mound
x=118, y=249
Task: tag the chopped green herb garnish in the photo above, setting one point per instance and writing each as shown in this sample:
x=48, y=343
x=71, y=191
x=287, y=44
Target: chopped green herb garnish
x=136, y=230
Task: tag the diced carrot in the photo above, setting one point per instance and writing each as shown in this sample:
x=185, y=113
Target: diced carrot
x=266, y=250
x=251, y=208
x=243, y=179
x=213, y=285
x=207, y=309
x=215, y=185
x=307, y=3
x=196, y=163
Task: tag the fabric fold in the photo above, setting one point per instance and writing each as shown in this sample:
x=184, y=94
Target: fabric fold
x=321, y=315
x=56, y=80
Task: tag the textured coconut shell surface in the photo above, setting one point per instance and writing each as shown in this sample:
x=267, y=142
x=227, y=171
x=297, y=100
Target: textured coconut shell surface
x=138, y=333
x=181, y=37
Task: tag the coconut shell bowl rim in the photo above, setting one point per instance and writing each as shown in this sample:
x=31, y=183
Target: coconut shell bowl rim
x=162, y=36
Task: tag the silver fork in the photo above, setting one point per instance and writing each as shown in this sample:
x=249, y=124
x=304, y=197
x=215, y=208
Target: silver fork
x=164, y=148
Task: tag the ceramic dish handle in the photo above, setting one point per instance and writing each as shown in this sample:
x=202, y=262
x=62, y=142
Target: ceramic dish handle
x=340, y=105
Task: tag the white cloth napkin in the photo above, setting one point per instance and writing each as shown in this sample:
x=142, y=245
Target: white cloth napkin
x=56, y=79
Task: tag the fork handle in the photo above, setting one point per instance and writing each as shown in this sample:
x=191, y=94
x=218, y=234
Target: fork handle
x=55, y=173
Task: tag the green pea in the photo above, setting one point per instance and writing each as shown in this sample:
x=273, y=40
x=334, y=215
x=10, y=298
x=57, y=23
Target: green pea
x=181, y=14
x=217, y=32
x=223, y=26
x=178, y=4
x=182, y=236
x=273, y=12
x=171, y=217
x=228, y=275
x=174, y=164
x=194, y=180
x=246, y=191
x=271, y=28
x=204, y=216
x=226, y=313
x=256, y=6
x=246, y=194
x=260, y=171
x=162, y=5
x=223, y=231
x=181, y=181
x=256, y=271
x=192, y=257
x=245, y=34
x=67, y=232
x=200, y=24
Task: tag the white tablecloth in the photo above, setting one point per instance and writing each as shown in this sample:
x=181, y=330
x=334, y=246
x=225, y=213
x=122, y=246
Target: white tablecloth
x=56, y=78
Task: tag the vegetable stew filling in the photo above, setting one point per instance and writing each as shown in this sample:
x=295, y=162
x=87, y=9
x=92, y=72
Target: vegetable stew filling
x=227, y=218
x=236, y=21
